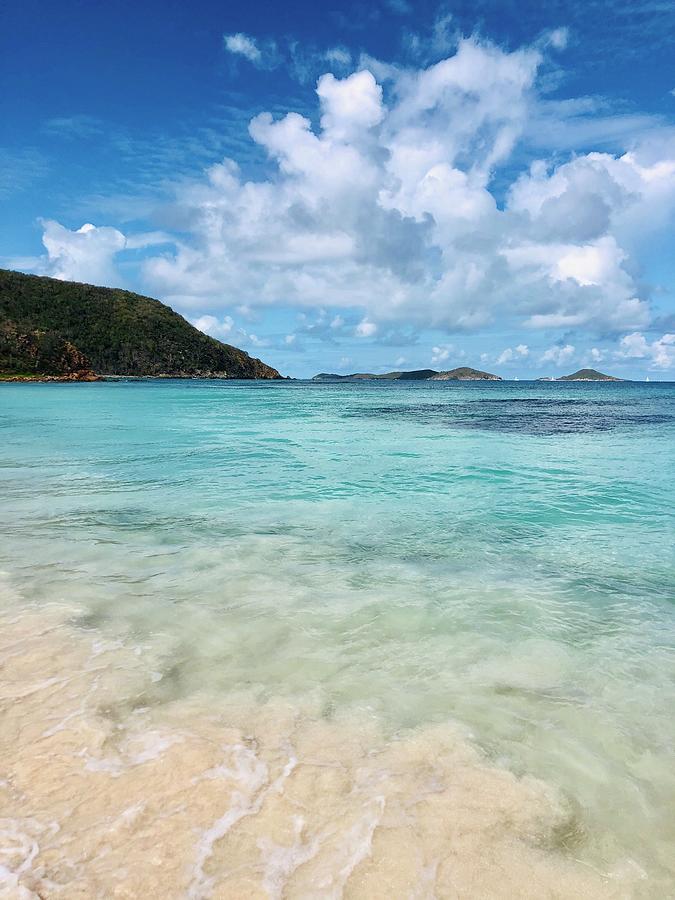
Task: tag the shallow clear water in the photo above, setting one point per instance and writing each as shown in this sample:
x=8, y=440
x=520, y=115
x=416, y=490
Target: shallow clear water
x=496, y=556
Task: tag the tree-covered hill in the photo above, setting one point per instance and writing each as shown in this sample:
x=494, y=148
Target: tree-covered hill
x=588, y=375
x=52, y=327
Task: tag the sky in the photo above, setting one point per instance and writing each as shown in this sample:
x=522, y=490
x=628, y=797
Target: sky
x=344, y=187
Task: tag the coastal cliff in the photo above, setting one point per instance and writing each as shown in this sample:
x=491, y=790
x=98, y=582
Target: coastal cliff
x=63, y=330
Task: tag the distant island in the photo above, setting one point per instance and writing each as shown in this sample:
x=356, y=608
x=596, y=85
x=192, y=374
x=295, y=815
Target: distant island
x=53, y=330
x=584, y=375
x=464, y=373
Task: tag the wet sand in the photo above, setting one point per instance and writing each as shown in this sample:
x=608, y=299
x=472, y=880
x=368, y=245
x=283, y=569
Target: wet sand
x=109, y=788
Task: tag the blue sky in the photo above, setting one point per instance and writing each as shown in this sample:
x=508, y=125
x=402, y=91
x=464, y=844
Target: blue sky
x=351, y=186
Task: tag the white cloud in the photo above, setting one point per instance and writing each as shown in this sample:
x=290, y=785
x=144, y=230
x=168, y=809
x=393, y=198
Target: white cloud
x=88, y=253
x=387, y=207
x=350, y=105
x=225, y=330
x=508, y=355
x=441, y=353
x=147, y=239
x=559, y=356
x=365, y=329
x=243, y=45
x=263, y=54
x=216, y=328
x=558, y=38
x=634, y=346
x=83, y=255
x=660, y=352
x=339, y=55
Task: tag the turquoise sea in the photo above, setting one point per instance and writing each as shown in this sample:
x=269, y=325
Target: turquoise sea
x=399, y=562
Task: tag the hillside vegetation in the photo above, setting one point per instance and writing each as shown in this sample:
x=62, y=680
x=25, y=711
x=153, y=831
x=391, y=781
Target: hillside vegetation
x=52, y=327
x=588, y=375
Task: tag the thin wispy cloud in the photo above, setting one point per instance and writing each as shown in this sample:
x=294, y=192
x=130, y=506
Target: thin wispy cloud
x=21, y=168
x=400, y=7
x=76, y=127
x=243, y=45
x=262, y=54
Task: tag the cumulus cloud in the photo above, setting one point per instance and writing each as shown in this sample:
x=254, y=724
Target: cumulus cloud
x=558, y=355
x=217, y=328
x=520, y=352
x=226, y=330
x=388, y=208
x=88, y=253
x=365, y=329
x=385, y=212
x=440, y=354
x=83, y=255
x=660, y=352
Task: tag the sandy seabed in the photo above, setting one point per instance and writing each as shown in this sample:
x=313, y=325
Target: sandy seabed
x=107, y=792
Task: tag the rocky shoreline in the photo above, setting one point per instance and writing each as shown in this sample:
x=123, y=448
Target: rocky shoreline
x=70, y=377
x=73, y=377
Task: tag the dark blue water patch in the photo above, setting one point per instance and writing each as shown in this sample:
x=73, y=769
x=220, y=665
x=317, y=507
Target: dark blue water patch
x=546, y=401
x=534, y=416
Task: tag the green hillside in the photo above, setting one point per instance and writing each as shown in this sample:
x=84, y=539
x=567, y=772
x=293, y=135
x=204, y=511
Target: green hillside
x=51, y=327
x=588, y=375
x=465, y=373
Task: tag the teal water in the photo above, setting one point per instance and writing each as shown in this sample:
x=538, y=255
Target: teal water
x=501, y=555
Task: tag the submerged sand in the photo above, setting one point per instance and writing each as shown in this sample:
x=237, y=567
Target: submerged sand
x=108, y=788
